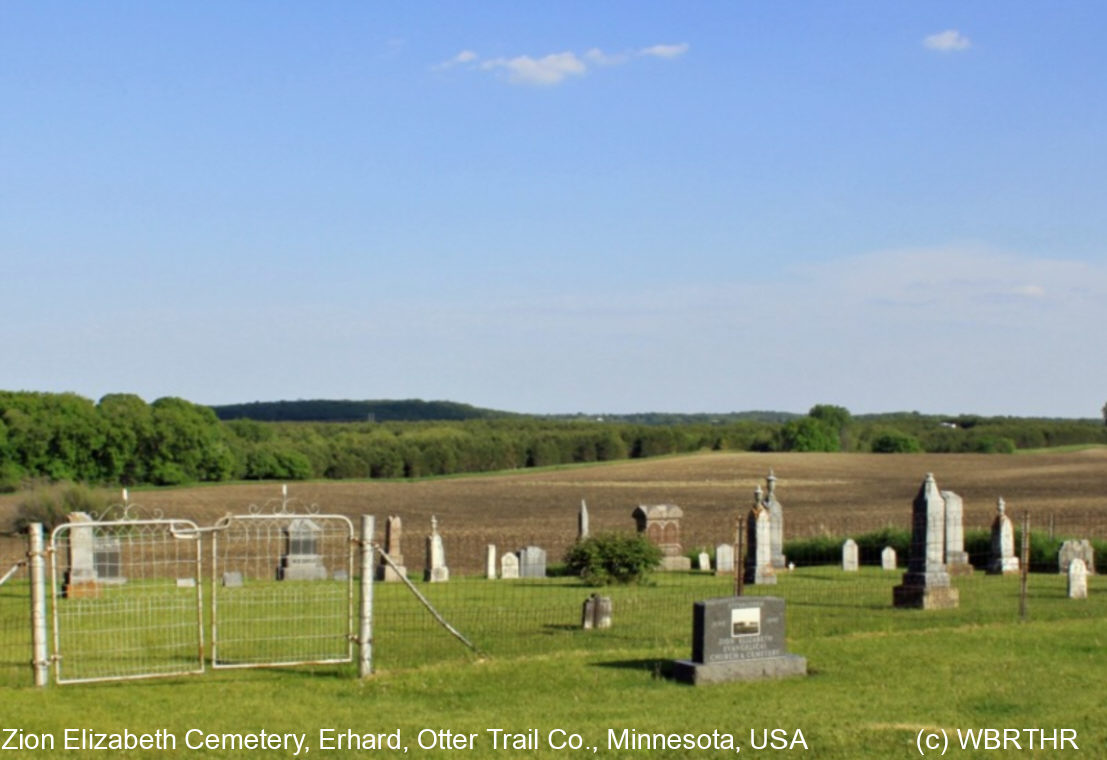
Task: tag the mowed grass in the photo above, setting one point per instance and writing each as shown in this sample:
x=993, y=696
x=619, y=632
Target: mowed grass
x=878, y=675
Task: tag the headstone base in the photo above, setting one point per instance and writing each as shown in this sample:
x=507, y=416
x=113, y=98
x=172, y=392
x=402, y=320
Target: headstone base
x=762, y=577
x=697, y=673
x=386, y=574
x=437, y=575
x=1009, y=566
x=923, y=598
x=675, y=563
x=959, y=568
x=82, y=590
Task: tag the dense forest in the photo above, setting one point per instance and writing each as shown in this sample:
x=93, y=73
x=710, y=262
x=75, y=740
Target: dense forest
x=124, y=440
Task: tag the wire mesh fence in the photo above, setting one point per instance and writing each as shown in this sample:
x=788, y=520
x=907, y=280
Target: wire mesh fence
x=281, y=589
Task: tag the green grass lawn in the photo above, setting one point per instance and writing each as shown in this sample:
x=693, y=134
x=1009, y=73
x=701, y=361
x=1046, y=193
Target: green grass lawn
x=877, y=675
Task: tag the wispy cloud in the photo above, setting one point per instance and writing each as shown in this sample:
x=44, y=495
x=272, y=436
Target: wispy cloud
x=665, y=51
x=948, y=41
x=555, y=68
x=465, y=56
x=548, y=70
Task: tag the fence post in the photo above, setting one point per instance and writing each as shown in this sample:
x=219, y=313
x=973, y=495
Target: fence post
x=37, y=556
x=365, y=613
x=1024, y=565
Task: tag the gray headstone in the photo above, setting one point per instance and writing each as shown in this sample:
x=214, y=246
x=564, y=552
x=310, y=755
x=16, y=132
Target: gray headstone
x=509, y=566
x=738, y=638
x=1078, y=579
x=704, y=561
x=232, y=579
x=186, y=583
x=956, y=558
x=926, y=583
x=302, y=561
x=341, y=575
x=1073, y=549
x=1003, y=560
x=81, y=580
x=588, y=613
x=603, y=611
x=776, y=523
x=849, y=556
x=393, y=547
x=724, y=559
x=888, y=558
x=759, y=562
x=582, y=521
x=532, y=562
x=436, y=570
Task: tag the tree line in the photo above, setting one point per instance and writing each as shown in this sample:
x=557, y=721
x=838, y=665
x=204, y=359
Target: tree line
x=121, y=439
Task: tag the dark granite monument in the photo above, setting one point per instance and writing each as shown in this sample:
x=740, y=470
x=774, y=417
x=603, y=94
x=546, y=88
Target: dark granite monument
x=738, y=638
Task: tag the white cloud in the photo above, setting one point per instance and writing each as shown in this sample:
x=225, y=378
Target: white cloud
x=948, y=41
x=665, y=51
x=465, y=56
x=600, y=58
x=548, y=70
x=555, y=68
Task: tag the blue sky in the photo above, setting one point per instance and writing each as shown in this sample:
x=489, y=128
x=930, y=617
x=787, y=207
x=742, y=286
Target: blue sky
x=599, y=207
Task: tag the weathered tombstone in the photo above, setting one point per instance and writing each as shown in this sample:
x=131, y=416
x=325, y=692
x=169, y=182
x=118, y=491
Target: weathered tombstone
x=1073, y=549
x=232, y=579
x=341, y=575
x=926, y=582
x=490, y=562
x=436, y=570
x=776, y=523
x=603, y=611
x=532, y=562
x=956, y=558
x=186, y=583
x=107, y=558
x=738, y=638
x=588, y=613
x=759, y=564
x=849, y=556
x=81, y=581
x=393, y=547
x=661, y=524
x=582, y=521
x=1003, y=560
x=704, y=561
x=596, y=612
x=1078, y=579
x=301, y=560
x=888, y=558
x=724, y=559
x=509, y=566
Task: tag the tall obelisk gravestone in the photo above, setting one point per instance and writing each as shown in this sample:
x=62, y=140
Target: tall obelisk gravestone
x=926, y=582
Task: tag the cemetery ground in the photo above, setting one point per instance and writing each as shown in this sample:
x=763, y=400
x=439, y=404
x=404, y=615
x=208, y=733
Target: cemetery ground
x=877, y=675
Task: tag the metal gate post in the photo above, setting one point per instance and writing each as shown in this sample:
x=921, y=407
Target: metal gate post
x=37, y=556
x=365, y=613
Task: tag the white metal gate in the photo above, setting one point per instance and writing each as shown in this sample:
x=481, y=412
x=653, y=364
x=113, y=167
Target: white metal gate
x=127, y=599
x=282, y=589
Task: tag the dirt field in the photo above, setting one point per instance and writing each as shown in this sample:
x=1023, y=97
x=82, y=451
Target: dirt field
x=835, y=493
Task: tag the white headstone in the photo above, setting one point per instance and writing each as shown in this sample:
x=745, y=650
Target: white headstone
x=704, y=561
x=1078, y=579
x=436, y=570
x=888, y=558
x=490, y=562
x=509, y=566
x=724, y=559
x=849, y=556
x=1003, y=559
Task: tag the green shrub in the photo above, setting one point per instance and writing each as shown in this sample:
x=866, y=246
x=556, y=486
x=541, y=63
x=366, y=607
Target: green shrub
x=895, y=442
x=609, y=558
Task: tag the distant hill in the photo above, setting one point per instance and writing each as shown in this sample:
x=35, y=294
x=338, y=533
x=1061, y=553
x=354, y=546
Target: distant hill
x=329, y=410
x=680, y=418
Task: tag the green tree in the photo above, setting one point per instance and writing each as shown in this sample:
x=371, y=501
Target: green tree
x=808, y=434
